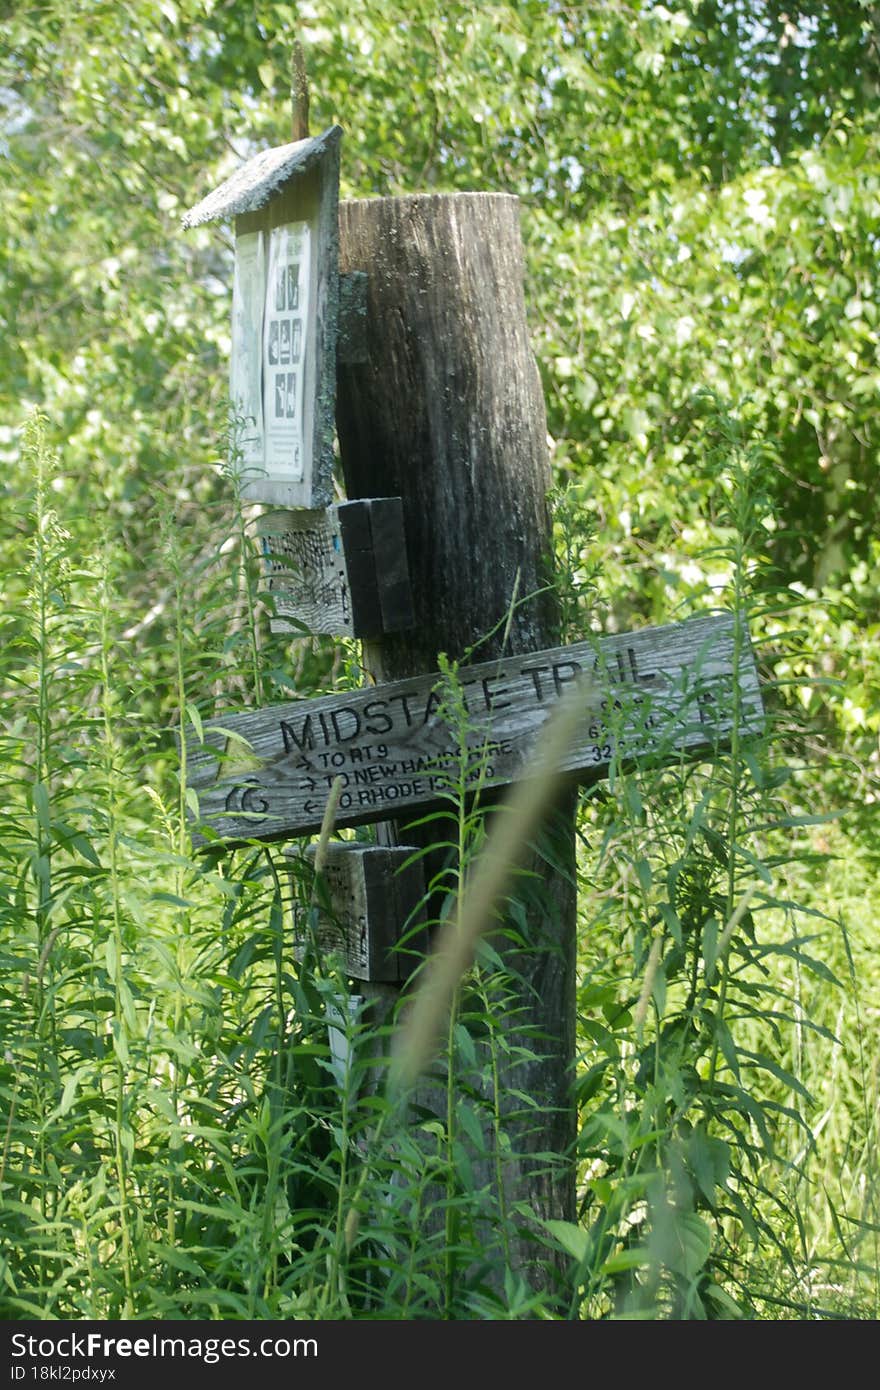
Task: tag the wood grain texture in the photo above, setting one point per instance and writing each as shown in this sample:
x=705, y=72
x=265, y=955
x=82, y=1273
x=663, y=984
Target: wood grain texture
x=357, y=546
x=393, y=584
x=663, y=692
x=351, y=342
x=341, y=570
x=447, y=413
x=370, y=902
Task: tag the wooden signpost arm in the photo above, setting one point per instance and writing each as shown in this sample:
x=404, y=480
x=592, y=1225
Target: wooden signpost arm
x=447, y=413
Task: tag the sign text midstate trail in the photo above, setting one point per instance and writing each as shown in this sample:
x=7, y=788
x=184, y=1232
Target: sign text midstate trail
x=664, y=691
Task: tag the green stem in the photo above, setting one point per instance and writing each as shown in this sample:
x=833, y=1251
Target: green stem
x=109, y=718
x=44, y=562
x=177, y=1076
x=246, y=580
x=497, y=1119
x=733, y=801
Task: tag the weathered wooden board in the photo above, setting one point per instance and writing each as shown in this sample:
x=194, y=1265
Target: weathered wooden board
x=664, y=691
x=371, y=915
x=342, y=570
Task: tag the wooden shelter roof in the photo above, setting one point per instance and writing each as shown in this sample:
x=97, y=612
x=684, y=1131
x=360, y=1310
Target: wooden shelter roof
x=254, y=183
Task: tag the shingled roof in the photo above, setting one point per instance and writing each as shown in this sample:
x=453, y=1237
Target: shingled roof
x=251, y=186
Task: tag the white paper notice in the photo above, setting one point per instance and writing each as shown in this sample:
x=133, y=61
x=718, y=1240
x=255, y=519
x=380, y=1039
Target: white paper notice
x=245, y=368
x=284, y=338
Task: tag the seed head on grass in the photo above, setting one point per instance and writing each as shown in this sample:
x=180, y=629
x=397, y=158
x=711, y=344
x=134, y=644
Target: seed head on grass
x=517, y=817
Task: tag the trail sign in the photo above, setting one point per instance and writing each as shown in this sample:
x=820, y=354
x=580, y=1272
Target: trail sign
x=666, y=692
x=372, y=914
x=342, y=570
x=285, y=304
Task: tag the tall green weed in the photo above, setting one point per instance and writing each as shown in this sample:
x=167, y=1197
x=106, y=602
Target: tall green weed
x=179, y=1138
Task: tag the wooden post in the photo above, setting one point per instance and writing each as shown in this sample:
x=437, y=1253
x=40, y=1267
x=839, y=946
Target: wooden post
x=447, y=413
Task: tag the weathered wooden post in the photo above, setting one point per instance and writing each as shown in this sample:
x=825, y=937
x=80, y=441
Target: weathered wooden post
x=447, y=413
x=441, y=425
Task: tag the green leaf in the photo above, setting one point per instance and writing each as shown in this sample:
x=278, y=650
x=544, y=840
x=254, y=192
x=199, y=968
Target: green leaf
x=160, y=896
x=694, y=1241
x=723, y=1301
x=111, y=958
x=465, y=1043
x=84, y=847
x=574, y=1239
x=672, y=920
x=633, y=1257
x=195, y=719
x=470, y=1123
x=69, y=1093
x=126, y=1003
x=767, y=1063
x=40, y=798
x=709, y=1160
x=178, y=1259
x=120, y=1042
x=727, y=1046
